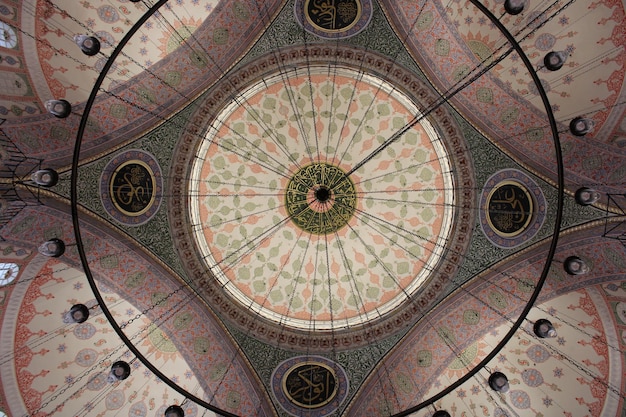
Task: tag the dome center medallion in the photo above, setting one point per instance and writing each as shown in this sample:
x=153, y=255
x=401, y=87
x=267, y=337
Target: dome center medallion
x=320, y=198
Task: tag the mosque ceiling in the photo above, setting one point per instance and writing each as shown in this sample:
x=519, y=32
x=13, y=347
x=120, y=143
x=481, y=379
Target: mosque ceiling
x=250, y=212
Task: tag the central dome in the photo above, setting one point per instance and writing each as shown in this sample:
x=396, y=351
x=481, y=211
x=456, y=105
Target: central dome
x=309, y=209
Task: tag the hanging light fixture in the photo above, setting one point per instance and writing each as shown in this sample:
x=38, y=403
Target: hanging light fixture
x=575, y=266
x=543, y=328
x=45, y=177
x=580, y=126
x=79, y=313
x=499, y=382
x=586, y=196
x=555, y=60
x=90, y=45
x=441, y=413
x=120, y=370
x=52, y=248
x=174, y=411
x=59, y=108
x=514, y=7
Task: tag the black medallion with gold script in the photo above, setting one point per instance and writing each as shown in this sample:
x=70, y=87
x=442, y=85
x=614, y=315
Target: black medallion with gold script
x=509, y=208
x=333, y=15
x=132, y=188
x=310, y=385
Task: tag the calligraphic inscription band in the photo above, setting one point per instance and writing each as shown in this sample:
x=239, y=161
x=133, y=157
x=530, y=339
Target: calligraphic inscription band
x=310, y=385
x=320, y=199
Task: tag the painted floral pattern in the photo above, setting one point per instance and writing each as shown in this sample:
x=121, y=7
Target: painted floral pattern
x=338, y=117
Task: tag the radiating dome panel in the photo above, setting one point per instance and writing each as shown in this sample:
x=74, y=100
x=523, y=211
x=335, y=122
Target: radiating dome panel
x=320, y=197
x=297, y=214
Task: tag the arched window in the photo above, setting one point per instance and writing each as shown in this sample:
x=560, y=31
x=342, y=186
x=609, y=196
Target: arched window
x=8, y=272
x=8, y=39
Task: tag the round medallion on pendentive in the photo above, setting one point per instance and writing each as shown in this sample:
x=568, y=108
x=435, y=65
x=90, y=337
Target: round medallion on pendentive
x=311, y=383
x=509, y=208
x=130, y=187
x=512, y=208
x=334, y=19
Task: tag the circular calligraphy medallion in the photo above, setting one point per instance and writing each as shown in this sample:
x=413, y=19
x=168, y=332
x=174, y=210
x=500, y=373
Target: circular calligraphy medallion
x=334, y=19
x=332, y=16
x=309, y=383
x=320, y=199
x=509, y=208
x=130, y=187
x=512, y=208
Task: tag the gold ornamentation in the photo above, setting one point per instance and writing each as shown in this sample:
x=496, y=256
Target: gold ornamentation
x=333, y=15
x=509, y=208
x=132, y=188
x=310, y=384
x=320, y=199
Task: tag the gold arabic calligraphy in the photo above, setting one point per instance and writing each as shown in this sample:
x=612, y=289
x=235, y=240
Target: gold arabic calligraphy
x=510, y=209
x=315, y=217
x=333, y=15
x=310, y=385
x=132, y=188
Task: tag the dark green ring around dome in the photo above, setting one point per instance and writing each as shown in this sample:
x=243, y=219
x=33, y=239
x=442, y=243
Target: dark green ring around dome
x=320, y=198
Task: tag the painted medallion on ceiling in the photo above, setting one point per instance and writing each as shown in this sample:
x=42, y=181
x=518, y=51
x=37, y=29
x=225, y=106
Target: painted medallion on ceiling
x=334, y=19
x=131, y=187
x=307, y=206
x=512, y=208
x=311, y=385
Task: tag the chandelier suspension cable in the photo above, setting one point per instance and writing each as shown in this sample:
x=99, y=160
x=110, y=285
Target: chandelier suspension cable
x=458, y=353
x=148, y=329
x=76, y=222
x=590, y=111
x=305, y=136
x=67, y=34
x=552, y=248
x=468, y=78
x=543, y=341
x=53, y=396
x=101, y=395
x=584, y=68
x=144, y=68
x=540, y=20
x=51, y=334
